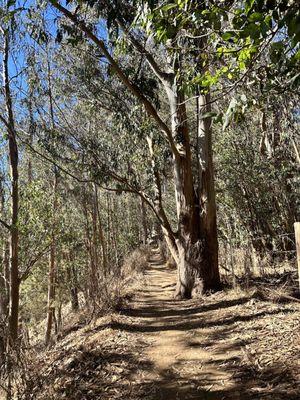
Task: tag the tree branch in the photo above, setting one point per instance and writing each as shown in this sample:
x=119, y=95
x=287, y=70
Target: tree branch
x=5, y=224
x=31, y=263
x=163, y=76
x=122, y=76
x=130, y=188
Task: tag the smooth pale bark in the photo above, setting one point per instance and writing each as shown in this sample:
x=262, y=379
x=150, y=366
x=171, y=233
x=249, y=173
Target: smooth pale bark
x=4, y=281
x=31, y=134
x=114, y=231
x=108, y=223
x=4, y=295
x=296, y=150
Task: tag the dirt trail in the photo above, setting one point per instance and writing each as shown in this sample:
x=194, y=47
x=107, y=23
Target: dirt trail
x=198, y=349
x=228, y=346
x=181, y=366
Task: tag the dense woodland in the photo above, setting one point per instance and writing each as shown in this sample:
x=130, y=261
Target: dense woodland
x=133, y=127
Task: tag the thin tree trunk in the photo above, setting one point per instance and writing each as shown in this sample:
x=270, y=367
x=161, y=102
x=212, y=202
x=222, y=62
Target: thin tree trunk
x=4, y=281
x=101, y=235
x=53, y=255
x=73, y=279
x=52, y=269
x=144, y=221
x=4, y=272
x=109, y=234
x=93, y=286
x=4, y=297
x=115, y=232
x=31, y=133
x=95, y=236
x=74, y=291
x=14, y=174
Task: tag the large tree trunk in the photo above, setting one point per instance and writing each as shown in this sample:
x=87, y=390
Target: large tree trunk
x=196, y=238
x=207, y=197
x=187, y=236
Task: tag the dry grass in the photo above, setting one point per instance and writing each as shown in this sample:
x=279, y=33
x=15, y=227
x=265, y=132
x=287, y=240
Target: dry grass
x=137, y=261
x=234, y=345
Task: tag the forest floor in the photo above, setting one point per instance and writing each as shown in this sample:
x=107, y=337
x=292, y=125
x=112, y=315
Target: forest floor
x=230, y=345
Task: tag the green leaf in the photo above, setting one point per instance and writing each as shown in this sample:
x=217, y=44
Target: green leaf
x=249, y=5
x=227, y=35
x=255, y=17
x=168, y=7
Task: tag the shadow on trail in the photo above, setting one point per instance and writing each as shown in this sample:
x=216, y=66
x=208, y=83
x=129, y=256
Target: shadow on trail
x=203, y=328
x=162, y=349
x=189, y=323
x=152, y=311
x=245, y=386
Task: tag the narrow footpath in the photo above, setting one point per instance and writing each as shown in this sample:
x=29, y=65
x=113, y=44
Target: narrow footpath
x=233, y=345
x=202, y=349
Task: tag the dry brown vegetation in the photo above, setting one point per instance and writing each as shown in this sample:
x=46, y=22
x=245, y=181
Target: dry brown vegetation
x=241, y=343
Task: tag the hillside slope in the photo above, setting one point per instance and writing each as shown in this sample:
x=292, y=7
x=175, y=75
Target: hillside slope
x=226, y=346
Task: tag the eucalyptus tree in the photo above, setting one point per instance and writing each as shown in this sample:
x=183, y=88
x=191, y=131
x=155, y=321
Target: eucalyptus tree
x=194, y=243
x=7, y=118
x=188, y=47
